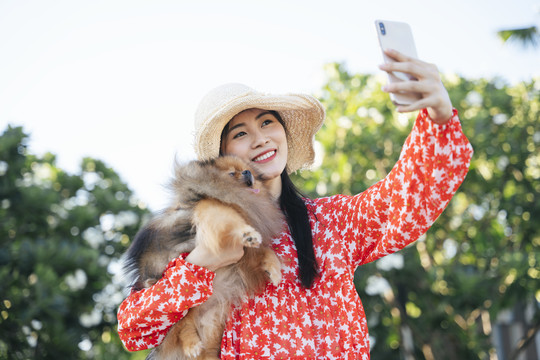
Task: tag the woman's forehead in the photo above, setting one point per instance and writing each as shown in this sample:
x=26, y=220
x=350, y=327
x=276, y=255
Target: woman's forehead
x=244, y=115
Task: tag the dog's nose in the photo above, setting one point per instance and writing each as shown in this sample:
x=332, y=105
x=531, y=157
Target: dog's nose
x=248, y=177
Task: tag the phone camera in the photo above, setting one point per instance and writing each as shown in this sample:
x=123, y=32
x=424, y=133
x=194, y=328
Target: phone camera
x=383, y=30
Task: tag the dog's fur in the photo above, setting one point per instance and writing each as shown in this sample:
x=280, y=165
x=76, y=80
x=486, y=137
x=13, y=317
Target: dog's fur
x=217, y=203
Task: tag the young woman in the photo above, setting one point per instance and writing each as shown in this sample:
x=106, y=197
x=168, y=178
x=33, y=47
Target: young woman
x=315, y=311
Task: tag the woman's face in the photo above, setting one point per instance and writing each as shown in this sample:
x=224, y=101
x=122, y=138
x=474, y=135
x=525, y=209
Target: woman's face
x=256, y=136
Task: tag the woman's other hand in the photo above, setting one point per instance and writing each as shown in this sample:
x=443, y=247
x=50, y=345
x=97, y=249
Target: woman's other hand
x=434, y=96
x=202, y=256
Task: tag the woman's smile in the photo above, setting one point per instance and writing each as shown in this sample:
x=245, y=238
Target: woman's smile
x=265, y=157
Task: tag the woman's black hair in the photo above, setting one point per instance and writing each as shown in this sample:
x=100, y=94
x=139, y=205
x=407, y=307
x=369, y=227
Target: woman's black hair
x=296, y=213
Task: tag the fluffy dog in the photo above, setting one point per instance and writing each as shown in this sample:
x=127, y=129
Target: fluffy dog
x=218, y=203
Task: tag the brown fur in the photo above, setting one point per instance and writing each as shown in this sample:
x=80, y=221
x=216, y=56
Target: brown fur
x=219, y=204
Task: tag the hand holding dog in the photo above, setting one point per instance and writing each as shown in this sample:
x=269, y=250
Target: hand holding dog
x=434, y=95
x=202, y=256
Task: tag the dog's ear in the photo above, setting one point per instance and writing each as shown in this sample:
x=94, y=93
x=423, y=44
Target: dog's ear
x=185, y=185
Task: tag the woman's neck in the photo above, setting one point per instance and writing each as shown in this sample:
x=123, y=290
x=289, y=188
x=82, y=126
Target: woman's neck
x=275, y=187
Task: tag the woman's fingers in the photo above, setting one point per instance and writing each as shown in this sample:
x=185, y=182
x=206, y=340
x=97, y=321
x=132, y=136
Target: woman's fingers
x=418, y=105
x=403, y=63
x=409, y=86
x=396, y=55
x=417, y=69
x=428, y=83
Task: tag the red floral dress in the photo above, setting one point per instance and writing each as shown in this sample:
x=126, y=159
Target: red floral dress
x=326, y=321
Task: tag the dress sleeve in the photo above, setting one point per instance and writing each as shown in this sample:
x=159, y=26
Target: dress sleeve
x=400, y=208
x=145, y=316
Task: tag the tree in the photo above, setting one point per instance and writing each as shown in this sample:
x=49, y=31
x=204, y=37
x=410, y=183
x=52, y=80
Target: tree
x=481, y=257
x=61, y=238
x=525, y=36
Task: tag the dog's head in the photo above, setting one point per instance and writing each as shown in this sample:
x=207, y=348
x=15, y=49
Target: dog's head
x=221, y=178
x=240, y=171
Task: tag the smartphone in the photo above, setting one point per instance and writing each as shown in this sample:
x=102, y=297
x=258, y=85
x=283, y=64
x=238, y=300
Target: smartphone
x=398, y=36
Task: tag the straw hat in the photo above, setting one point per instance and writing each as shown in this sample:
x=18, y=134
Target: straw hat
x=303, y=116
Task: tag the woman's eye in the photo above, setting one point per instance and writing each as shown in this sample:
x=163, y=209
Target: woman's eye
x=266, y=122
x=241, y=133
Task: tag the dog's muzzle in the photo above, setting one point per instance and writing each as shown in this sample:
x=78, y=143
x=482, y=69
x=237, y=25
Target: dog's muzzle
x=247, y=176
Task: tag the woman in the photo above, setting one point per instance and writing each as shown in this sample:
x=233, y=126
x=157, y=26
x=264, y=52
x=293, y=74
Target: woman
x=315, y=311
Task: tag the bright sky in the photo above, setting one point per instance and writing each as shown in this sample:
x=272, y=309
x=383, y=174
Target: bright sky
x=120, y=80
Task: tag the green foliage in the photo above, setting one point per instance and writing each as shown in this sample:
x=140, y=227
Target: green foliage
x=481, y=256
x=524, y=36
x=61, y=236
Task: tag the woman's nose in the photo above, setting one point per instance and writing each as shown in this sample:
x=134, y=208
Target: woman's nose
x=260, y=139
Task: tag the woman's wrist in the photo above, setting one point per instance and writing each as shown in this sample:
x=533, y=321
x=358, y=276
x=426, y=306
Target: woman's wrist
x=201, y=258
x=440, y=115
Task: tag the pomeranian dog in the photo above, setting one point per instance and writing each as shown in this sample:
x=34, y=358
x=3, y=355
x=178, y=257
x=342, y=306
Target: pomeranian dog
x=218, y=204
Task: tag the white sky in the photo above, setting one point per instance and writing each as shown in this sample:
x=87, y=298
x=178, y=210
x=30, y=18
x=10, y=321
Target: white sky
x=120, y=80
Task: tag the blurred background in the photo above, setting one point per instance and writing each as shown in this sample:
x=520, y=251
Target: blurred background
x=97, y=101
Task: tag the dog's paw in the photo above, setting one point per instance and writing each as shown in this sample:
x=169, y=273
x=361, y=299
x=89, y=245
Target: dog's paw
x=192, y=349
x=274, y=273
x=250, y=237
x=272, y=266
x=275, y=276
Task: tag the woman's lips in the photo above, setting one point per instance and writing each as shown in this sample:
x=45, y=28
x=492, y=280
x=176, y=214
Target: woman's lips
x=265, y=157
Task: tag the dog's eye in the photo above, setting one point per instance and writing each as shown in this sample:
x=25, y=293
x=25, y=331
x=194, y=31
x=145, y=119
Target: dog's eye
x=231, y=173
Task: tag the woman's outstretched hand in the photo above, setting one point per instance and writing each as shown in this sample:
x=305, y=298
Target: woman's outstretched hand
x=428, y=84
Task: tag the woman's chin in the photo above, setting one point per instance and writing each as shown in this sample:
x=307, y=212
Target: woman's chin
x=270, y=175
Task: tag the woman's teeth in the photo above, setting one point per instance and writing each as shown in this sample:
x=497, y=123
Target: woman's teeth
x=265, y=156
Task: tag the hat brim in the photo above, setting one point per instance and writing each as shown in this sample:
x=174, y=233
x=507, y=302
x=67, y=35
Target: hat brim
x=302, y=114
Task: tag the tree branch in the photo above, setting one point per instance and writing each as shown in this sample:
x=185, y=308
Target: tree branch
x=525, y=340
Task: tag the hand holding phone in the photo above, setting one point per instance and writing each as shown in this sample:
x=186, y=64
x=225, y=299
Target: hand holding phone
x=398, y=36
